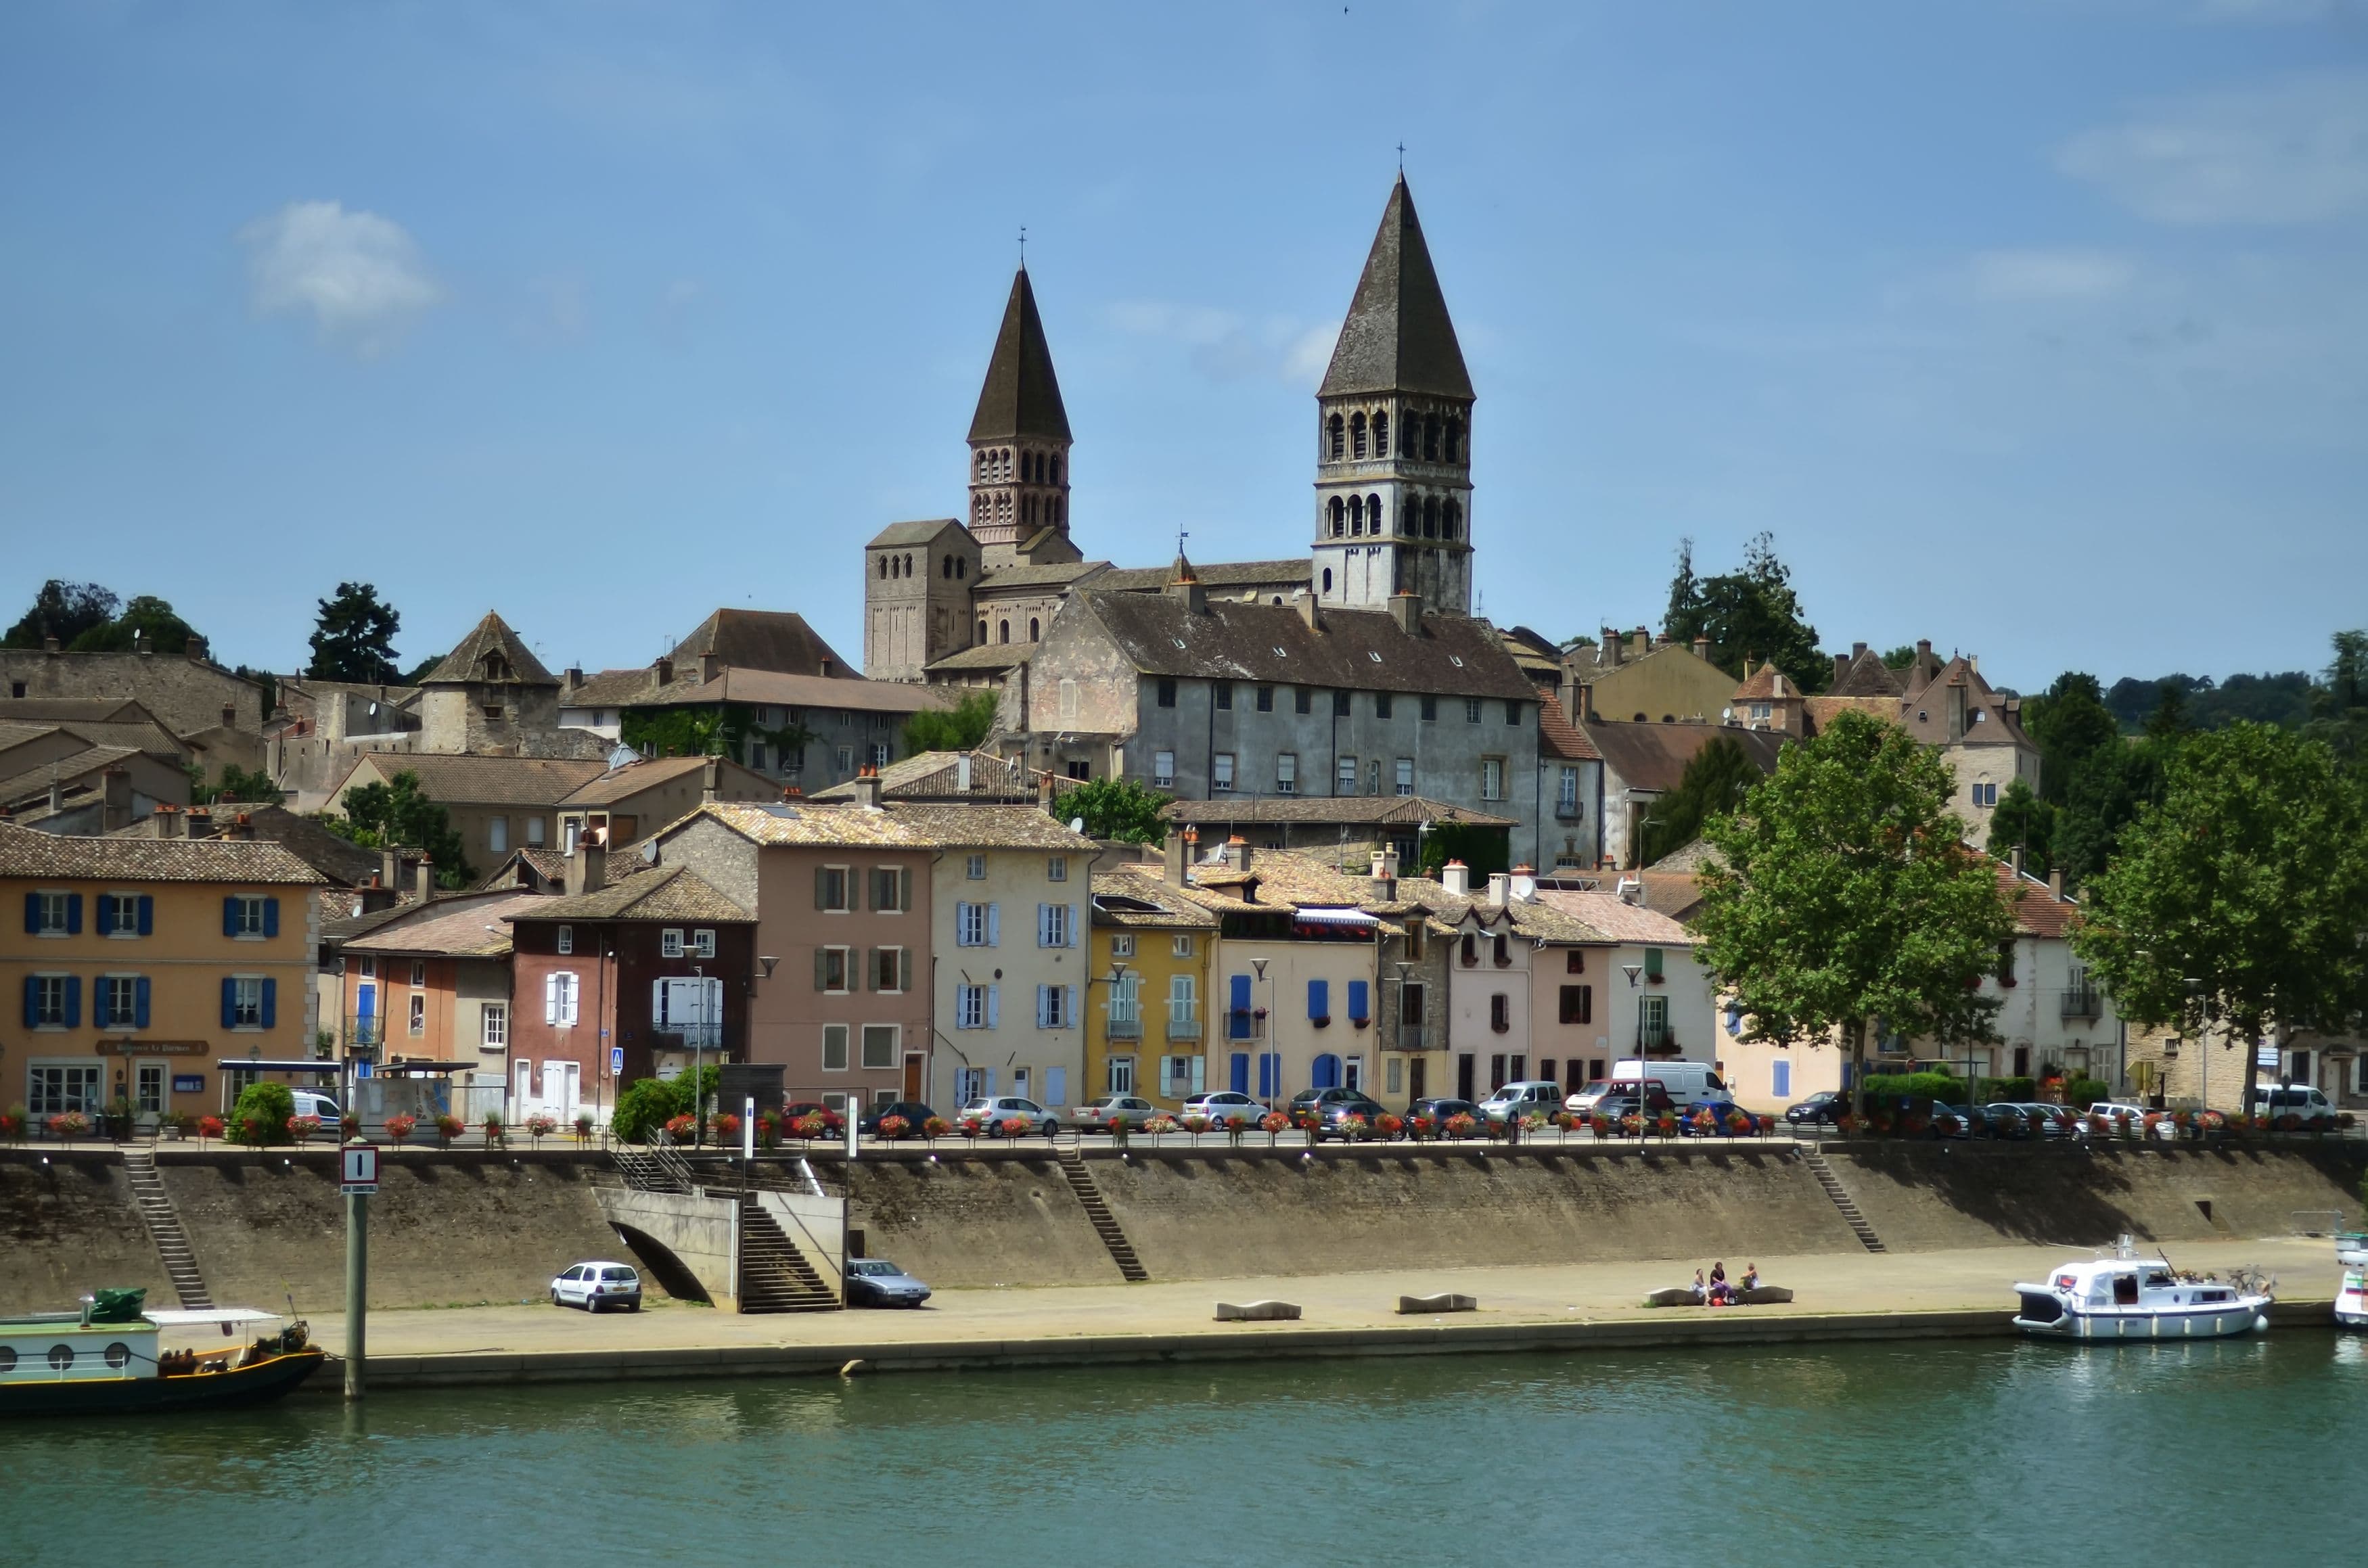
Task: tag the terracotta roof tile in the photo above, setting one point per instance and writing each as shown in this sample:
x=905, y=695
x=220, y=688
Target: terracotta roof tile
x=647, y=892
x=25, y=852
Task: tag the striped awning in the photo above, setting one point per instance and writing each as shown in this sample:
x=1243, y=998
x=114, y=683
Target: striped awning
x=1335, y=917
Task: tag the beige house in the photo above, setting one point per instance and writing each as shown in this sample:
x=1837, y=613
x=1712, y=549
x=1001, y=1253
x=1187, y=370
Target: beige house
x=1633, y=677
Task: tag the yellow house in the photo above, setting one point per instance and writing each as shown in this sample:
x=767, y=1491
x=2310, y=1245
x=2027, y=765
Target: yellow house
x=1146, y=1032
x=145, y=965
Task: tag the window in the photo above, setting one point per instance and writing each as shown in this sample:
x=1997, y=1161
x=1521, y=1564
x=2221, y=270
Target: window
x=534, y=833
x=1469, y=949
x=1224, y=692
x=566, y=943
x=831, y=969
x=1574, y=961
x=1381, y=705
x=1338, y=430
x=418, y=1014
x=1056, y=868
x=1166, y=691
x=1578, y=1003
x=1122, y=944
x=494, y=1025
x=880, y=1045
x=1180, y=1076
x=1054, y=1006
x=125, y=915
x=1471, y=709
x=702, y=943
x=888, y=968
x=1492, y=777
x=1780, y=1080
x=1406, y=776
x=971, y=1009
x=1429, y=710
x=1345, y=777
x=975, y=869
x=418, y=973
x=246, y=1003
x=974, y=925
x=1180, y=945
x=149, y=1095
x=497, y=834
x=559, y=999
x=834, y=1047
x=1513, y=713
x=1286, y=773
x=54, y=1001
x=1264, y=701
x=670, y=943
x=1302, y=699
x=59, y=1089
x=1319, y=1001
x=52, y=913
x=1163, y=770
x=1183, y=996
x=1053, y=928
x=1984, y=795
x=1118, y=1077
x=245, y=917
x=1761, y=710
x=1221, y=771
x=1653, y=960
x=1339, y=705
x=1652, y=1020
x=1567, y=793
x=878, y=753
x=117, y=999
x=831, y=890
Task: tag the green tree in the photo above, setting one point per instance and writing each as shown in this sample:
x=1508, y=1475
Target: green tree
x=2023, y=821
x=264, y=1107
x=1841, y=896
x=1749, y=612
x=1899, y=658
x=381, y=816
x=1117, y=808
x=2248, y=878
x=960, y=728
x=2338, y=711
x=353, y=637
x=167, y=632
x=2109, y=788
x=2169, y=721
x=63, y=610
x=2067, y=722
x=238, y=786
x=1713, y=784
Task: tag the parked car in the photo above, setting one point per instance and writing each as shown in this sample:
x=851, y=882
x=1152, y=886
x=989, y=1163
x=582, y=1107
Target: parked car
x=1825, y=1106
x=2013, y=1119
x=2055, y=1120
x=1226, y=1107
x=311, y=1102
x=2113, y=1109
x=1529, y=1098
x=993, y=1113
x=876, y=1282
x=598, y=1286
x=1601, y=1089
x=1442, y=1108
x=1333, y=1107
x=1720, y=1111
x=1970, y=1120
x=915, y=1113
x=2280, y=1100
x=1101, y=1115
x=833, y=1121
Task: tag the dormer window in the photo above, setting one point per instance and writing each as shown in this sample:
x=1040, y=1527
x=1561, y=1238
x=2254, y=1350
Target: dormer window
x=497, y=668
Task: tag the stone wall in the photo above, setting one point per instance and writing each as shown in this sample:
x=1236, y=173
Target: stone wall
x=68, y=1225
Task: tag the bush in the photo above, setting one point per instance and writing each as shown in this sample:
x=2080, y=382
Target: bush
x=2085, y=1092
x=644, y=1106
x=262, y=1114
x=1889, y=1088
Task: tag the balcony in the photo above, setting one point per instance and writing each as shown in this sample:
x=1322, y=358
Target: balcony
x=2083, y=1002
x=1125, y=1029
x=688, y=1036
x=1653, y=1036
x=1414, y=1036
x=365, y=1031
x=1183, y=1029
x=1244, y=1023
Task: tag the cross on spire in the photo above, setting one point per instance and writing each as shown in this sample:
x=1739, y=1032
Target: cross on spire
x=1400, y=157
x=1023, y=247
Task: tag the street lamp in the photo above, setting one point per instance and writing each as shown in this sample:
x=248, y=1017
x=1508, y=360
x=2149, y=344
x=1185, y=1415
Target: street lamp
x=1404, y=967
x=1116, y=982
x=1634, y=972
x=698, y=1058
x=1271, y=1078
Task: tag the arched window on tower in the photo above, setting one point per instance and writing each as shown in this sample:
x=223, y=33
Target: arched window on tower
x=962, y=570
x=1452, y=442
x=1035, y=630
x=1340, y=517
x=1056, y=470
x=1430, y=439
x=981, y=634
x=1003, y=631
x=980, y=465
x=1356, y=516
x=1027, y=510
x=1338, y=446
x=1356, y=434
x=1380, y=434
x=1061, y=509
x=906, y=569
x=1373, y=512
x=884, y=568
x=1430, y=517
x=1452, y=522
x=1328, y=579
x=946, y=568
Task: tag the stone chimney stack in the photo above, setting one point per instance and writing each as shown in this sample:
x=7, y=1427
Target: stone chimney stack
x=115, y=800
x=425, y=872
x=1608, y=651
x=1701, y=649
x=867, y=789
x=587, y=868
x=2014, y=860
x=390, y=868
x=1237, y=853
x=661, y=673
x=1841, y=665
x=1044, y=801
x=710, y=666
x=1407, y=610
x=710, y=779
x=2056, y=884
x=1500, y=888
x=1456, y=878
x=1181, y=848
x=1310, y=611
x=196, y=648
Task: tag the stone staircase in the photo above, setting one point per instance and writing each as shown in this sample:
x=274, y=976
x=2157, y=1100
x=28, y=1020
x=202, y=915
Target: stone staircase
x=774, y=1275
x=165, y=1224
x=1841, y=1198
x=1081, y=1182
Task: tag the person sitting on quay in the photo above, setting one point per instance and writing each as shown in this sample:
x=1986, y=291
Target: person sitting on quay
x=1721, y=1292
x=1750, y=1277
x=1701, y=1292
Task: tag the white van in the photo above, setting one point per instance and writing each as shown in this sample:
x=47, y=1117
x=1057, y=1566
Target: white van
x=1683, y=1082
x=311, y=1102
x=2298, y=1099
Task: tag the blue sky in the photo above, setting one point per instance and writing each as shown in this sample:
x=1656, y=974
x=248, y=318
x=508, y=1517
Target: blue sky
x=2038, y=327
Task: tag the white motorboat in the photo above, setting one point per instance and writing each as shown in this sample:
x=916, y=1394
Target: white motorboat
x=2126, y=1297
x=2351, y=1297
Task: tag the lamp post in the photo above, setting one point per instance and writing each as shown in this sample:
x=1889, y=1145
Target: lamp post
x=1116, y=982
x=1272, y=1058
x=1634, y=972
x=698, y=1058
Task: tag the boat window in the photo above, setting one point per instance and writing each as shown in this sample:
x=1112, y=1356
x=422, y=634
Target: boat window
x=7, y=1359
x=60, y=1357
x=119, y=1355
x=2160, y=1277
x=2126, y=1290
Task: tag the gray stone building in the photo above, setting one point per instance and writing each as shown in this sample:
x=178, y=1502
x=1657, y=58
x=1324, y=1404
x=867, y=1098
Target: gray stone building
x=185, y=691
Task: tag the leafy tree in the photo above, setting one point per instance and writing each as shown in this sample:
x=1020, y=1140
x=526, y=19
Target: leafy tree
x=2169, y=721
x=422, y=670
x=268, y=1106
x=1713, y=784
x=960, y=728
x=2110, y=787
x=381, y=816
x=1842, y=896
x=2067, y=722
x=1899, y=658
x=1749, y=612
x=2023, y=821
x=63, y=610
x=2339, y=705
x=238, y=786
x=2132, y=699
x=353, y=637
x=167, y=632
x=1117, y=808
x=722, y=730
x=1483, y=850
x=2248, y=878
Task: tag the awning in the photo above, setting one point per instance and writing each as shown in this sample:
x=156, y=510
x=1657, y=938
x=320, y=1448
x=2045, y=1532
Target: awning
x=177, y=1317
x=1335, y=917
x=266, y=1064
x=403, y=1064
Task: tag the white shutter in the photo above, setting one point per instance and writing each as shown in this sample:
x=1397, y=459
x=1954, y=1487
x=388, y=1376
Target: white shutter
x=962, y=925
x=994, y=925
x=1069, y=1008
x=567, y=996
x=1071, y=932
x=550, y=998
x=1044, y=924
x=994, y=1006
x=658, y=999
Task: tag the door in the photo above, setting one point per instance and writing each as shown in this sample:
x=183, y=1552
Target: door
x=1020, y=1084
x=365, y=1015
x=1416, y=1089
x=912, y=1089
x=522, y=1093
x=1056, y=1087
x=571, y=1091
x=1463, y=1065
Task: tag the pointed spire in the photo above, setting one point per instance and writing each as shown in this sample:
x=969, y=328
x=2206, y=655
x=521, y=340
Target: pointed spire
x=1397, y=337
x=1021, y=396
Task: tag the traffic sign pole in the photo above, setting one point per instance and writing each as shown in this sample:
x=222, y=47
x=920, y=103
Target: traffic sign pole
x=360, y=1174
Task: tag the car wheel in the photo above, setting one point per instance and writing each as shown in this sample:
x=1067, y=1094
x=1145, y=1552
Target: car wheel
x=555, y=1298
x=1051, y=1127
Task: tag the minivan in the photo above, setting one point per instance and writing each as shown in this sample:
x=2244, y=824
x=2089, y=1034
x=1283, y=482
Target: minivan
x=2298, y=1099
x=312, y=1103
x=1525, y=1098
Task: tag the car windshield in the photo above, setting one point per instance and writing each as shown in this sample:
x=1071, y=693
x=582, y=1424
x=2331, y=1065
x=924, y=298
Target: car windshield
x=872, y=1267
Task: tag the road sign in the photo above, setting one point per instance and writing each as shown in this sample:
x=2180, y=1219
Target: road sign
x=616, y=1060
x=2265, y=1056
x=361, y=1169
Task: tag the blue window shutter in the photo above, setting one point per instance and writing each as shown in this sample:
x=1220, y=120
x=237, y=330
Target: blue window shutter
x=271, y=917
x=74, y=1001
x=33, y=1001
x=229, y=1002
x=994, y=1017
x=106, y=915
x=99, y=1014
x=1043, y=1007
x=230, y=917
x=1241, y=993
x=73, y=915
x=270, y=1003
x=994, y=925
x=1043, y=925
x=961, y=924
x=147, y=915
x=32, y=914
x=1240, y=1080
x=140, y=1000
x=1358, y=995
x=1319, y=998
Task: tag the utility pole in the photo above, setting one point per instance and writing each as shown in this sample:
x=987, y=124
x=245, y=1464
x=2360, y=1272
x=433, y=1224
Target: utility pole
x=360, y=1180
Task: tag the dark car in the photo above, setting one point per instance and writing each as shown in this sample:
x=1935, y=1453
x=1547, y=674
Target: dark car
x=832, y=1121
x=1825, y=1106
x=1969, y=1121
x=876, y=1282
x=1331, y=1107
x=1720, y=1112
x=1442, y=1108
x=915, y=1113
x=1611, y=1107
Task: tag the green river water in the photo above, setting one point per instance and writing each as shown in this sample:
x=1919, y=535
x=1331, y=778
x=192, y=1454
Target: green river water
x=1996, y=1452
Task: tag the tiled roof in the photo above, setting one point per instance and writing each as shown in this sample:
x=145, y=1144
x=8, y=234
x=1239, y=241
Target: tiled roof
x=963, y=827
x=773, y=689
x=471, y=926
x=70, y=771
x=986, y=656
x=646, y=892
x=1020, y=397
x=623, y=783
x=1618, y=920
x=466, y=662
x=1294, y=571
x=771, y=639
x=1674, y=893
x=1397, y=335
x=1356, y=650
x=1170, y=911
x=1764, y=683
x=1037, y=574
x=2037, y=911
x=25, y=852
x=611, y=688
x=469, y=779
x=1990, y=718
x=1654, y=756
x=1690, y=857
x=340, y=860
x=937, y=775
x=803, y=824
x=919, y=532
x=899, y=825
x=1559, y=736
x=1822, y=710
x=43, y=712
x=1866, y=676
x=1385, y=811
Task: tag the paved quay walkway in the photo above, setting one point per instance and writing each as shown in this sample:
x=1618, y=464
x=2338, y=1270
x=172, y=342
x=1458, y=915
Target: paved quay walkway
x=1837, y=1296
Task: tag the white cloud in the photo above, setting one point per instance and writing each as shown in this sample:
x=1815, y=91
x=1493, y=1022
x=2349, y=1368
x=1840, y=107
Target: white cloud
x=2296, y=152
x=2049, y=274
x=359, y=276
x=1305, y=363
x=1225, y=346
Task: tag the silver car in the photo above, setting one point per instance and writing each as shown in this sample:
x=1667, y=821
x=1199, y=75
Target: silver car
x=991, y=1114
x=876, y=1282
x=1128, y=1110
x=595, y=1286
x=1226, y=1109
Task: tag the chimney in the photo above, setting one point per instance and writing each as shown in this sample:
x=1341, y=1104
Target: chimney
x=1632, y=891
x=1407, y=610
x=426, y=886
x=1923, y=649
x=142, y=643
x=1456, y=878
x=169, y=822
x=661, y=673
x=57, y=797
x=1237, y=853
x=2056, y=884
x=390, y=868
x=200, y=821
x=50, y=645
x=1841, y=665
x=962, y=774
x=196, y=648
x=1179, y=856
x=710, y=666
x=1586, y=695
x=1525, y=883
x=587, y=868
x=1500, y=888
x=574, y=676
x=1701, y=649
x=1385, y=873
x=115, y=800
x=1857, y=650
x=710, y=779
x=867, y=789
x=1608, y=651
x=1044, y=794
x=1973, y=663
x=1184, y=587
x=1309, y=611
x=1640, y=643
x=2014, y=860
x=242, y=827
x=1957, y=710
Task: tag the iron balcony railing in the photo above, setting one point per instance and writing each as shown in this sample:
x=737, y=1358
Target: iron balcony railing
x=1183, y=1029
x=1651, y=1036
x=365, y=1031
x=2083, y=1002
x=1125, y=1029
x=1244, y=1023
x=1414, y=1036
x=688, y=1037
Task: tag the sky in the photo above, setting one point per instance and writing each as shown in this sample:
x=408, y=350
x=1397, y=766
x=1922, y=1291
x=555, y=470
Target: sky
x=2035, y=327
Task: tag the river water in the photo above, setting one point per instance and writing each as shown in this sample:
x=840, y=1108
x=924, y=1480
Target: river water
x=2251, y=1451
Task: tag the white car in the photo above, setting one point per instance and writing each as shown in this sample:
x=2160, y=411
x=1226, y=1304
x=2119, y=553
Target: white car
x=992, y=1113
x=1226, y=1109
x=594, y=1286
x=2113, y=1110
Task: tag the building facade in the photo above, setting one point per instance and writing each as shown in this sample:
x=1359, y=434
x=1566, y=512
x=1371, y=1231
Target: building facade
x=1148, y=1024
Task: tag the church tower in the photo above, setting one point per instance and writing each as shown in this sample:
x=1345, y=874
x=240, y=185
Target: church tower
x=1393, y=436
x=1020, y=445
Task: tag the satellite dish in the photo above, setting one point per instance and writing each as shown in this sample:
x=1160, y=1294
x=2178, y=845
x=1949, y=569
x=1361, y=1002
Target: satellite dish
x=1726, y=712
x=1077, y=824
x=649, y=850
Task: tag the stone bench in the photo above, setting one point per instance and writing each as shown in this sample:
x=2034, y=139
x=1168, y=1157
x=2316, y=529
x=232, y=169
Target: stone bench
x=1410, y=1306
x=1258, y=1311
